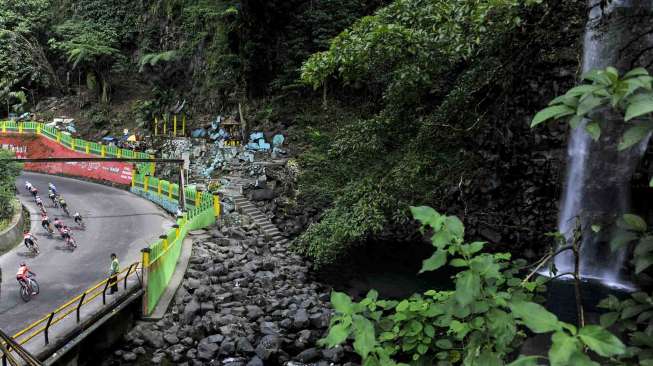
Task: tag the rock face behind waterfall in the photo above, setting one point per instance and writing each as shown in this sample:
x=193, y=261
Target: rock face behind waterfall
x=597, y=188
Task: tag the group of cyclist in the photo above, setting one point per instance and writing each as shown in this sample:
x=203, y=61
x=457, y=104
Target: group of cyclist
x=63, y=229
x=24, y=273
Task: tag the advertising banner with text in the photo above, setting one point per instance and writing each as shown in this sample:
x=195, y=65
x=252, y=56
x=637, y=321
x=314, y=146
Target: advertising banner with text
x=34, y=146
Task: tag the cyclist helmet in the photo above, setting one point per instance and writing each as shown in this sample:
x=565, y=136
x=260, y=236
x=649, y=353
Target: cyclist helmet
x=22, y=264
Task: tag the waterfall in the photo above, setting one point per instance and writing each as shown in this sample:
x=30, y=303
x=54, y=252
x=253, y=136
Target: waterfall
x=598, y=176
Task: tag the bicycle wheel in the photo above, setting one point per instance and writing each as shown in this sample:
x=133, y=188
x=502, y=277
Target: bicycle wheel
x=35, y=286
x=24, y=293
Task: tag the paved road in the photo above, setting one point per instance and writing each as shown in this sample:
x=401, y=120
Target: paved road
x=116, y=221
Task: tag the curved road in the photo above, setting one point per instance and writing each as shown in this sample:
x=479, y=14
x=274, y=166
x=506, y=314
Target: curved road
x=116, y=221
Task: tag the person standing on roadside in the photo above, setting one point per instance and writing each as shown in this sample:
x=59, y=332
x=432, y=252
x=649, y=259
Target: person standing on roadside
x=115, y=268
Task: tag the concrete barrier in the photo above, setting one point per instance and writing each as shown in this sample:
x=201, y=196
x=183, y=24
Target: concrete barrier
x=12, y=235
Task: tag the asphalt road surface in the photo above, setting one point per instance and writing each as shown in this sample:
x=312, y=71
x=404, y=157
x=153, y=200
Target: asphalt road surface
x=116, y=222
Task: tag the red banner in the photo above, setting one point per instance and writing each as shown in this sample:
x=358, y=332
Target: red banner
x=34, y=146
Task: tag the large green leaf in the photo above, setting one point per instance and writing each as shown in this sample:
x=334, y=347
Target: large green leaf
x=555, y=111
x=588, y=103
x=639, y=71
x=437, y=260
x=642, y=263
x=337, y=335
x=427, y=216
x=468, y=286
x=621, y=238
x=634, y=135
x=601, y=341
x=364, y=336
x=535, y=317
x=644, y=246
x=634, y=222
x=341, y=302
x=455, y=226
x=562, y=347
x=639, y=108
x=609, y=318
x=594, y=130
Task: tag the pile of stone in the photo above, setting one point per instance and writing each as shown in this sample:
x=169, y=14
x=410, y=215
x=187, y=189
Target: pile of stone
x=244, y=301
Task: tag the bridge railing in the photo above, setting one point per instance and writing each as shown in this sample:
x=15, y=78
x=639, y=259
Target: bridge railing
x=74, y=305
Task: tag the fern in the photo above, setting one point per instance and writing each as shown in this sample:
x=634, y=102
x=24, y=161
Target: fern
x=154, y=59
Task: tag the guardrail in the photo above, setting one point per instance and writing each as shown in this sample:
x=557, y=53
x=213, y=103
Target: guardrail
x=160, y=258
x=75, y=144
x=43, y=325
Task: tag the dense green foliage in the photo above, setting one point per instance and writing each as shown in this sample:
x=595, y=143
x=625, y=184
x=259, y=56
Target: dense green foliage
x=430, y=73
x=8, y=184
x=630, y=96
x=482, y=322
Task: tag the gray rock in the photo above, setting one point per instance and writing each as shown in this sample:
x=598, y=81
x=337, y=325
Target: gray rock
x=333, y=354
x=268, y=346
x=154, y=338
x=269, y=328
x=129, y=356
x=253, y=312
x=255, y=361
x=171, y=338
x=227, y=348
x=308, y=355
x=216, y=338
x=265, y=194
x=300, y=320
x=139, y=350
x=206, y=351
x=244, y=346
x=190, y=310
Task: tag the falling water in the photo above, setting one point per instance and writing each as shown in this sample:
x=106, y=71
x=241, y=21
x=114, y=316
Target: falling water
x=598, y=176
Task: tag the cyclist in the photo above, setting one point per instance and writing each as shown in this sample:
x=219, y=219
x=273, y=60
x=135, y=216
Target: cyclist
x=29, y=239
x=63, y=204
x=58, y=224
x=52, y=188
x=78, y=218
x=39, y=202
x=53, y=197
x=23, y=275
x=45, y=222
x=28, y=186
x=34, y=191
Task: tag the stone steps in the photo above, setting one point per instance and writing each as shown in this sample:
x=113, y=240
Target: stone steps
x=246, y=207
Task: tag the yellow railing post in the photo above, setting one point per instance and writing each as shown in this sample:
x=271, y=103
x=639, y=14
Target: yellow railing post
x=216, y=205
x=103, y=151
x=183, y=124
x=38, y=128
x=165, y=122
x=169, y=191
x=156, y=126
x=198, y=198
x=72, y=144
x=164, y=240
x=88, y=147
x=174, y=126
x=145, y=182
x=159, y=188
x=176, y=226
x=118, y=152
x=133, y=178
x=58, y=136
x=4, y=126
x=20, y=127
x=145, y=275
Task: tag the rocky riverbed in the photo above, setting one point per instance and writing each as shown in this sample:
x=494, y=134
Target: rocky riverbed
x=244, y=301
